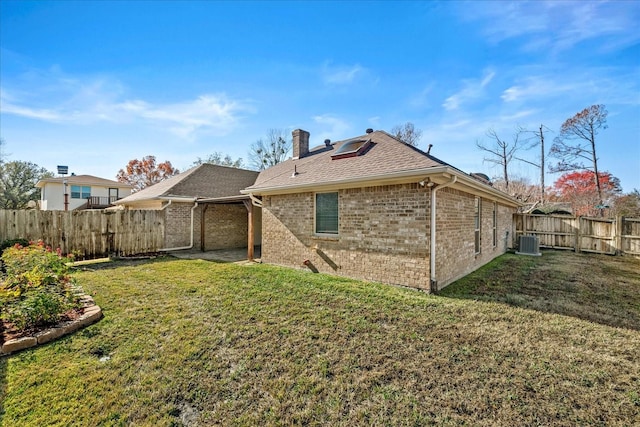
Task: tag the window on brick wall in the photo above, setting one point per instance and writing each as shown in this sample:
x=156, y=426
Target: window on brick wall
x=477, y=222
x=326, y=213
x=494, y=224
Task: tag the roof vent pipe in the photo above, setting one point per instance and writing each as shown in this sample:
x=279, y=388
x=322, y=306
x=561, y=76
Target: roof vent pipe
x=369, y=130
x=429, y=149
x=327, y=142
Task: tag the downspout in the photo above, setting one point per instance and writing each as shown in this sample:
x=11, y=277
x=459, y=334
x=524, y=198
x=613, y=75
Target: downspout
x=195, y=205
x=432, y=250
x=166, y=206
x=202, y=227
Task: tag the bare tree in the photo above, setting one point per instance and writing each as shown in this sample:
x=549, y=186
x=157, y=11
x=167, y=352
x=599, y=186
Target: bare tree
x=216, y=158
x=519, y=188
x=268, y=152
x=538, y=139
x=3, y=153
x=576, y=143
x=501, y=152
x=407, y=133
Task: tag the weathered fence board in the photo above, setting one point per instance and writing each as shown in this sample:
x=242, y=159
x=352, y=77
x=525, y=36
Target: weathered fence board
x=599, y=235
x=630, y=236
x=88, y=233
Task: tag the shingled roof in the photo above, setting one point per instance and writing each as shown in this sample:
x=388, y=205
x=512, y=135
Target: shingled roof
x=386, y=160
x=83, y=180
x=203, y=181
x=385, y=155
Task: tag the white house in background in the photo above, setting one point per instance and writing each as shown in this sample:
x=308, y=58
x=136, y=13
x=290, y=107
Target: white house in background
x=84, y=192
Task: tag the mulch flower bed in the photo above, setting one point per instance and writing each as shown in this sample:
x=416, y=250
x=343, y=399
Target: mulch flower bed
x=9, y=332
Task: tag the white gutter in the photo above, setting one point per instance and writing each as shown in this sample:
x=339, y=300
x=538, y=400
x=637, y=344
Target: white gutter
x=255, y=201
x=432, y=250
x=195, y=205
x=387, y=179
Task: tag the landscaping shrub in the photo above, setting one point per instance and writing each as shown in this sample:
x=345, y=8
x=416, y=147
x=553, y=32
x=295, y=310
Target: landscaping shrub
x=36, y=288
x=12, y=242
x=7, y=244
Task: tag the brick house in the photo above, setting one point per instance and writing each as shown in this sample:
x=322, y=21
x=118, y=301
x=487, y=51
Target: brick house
x=204, y=208
x=377, y=209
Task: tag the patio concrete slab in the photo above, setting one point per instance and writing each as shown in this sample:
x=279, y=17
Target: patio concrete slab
x=226, y=255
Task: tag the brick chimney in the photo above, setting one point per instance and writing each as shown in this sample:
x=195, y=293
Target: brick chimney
x=300, y=143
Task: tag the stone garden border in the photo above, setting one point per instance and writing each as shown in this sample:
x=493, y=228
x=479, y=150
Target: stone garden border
x=92, y=313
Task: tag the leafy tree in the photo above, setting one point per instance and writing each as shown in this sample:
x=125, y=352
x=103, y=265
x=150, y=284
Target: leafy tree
x=628, y=205
x=575, y=145
x=216, y=159
x=145, y=172
x=407, y=133
x=18, y=181
x=579, y=189
x=501, y=152
x=268, y=152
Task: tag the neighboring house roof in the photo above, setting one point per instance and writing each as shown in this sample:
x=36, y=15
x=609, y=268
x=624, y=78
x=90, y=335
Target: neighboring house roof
x=550, y=208
x=205, y=181
x=83, y=180
x=386, y=161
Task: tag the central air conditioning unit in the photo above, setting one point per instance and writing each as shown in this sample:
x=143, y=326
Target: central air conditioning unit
x=529, y=245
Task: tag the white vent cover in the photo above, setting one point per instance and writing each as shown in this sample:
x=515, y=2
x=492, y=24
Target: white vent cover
x=529, y=245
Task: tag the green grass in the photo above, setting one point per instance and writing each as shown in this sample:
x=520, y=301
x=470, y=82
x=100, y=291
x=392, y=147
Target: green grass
x=201, y=343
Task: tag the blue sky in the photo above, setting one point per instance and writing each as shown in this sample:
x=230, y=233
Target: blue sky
x=94, y=84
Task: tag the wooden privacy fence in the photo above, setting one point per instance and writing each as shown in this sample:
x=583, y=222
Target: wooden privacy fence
x=88, y=233
x=582, y=234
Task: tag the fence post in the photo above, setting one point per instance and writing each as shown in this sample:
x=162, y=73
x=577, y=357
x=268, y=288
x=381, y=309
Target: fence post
x=619, y=228
x=577, y=227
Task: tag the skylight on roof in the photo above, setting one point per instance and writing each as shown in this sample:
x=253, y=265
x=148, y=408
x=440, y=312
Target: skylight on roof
x=351, y=148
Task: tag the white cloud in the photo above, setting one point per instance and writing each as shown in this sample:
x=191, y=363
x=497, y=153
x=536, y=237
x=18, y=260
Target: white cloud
x=56, y=98
x=332, y=127
x=340, y=75
x=593, y=85
x=472, y=89
x=557, y=25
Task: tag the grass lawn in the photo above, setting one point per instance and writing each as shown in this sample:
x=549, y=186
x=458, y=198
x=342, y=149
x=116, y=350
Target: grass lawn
x=522, y=341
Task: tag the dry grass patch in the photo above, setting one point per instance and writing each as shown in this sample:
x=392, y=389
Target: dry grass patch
x=598, y=288
x=200, y=343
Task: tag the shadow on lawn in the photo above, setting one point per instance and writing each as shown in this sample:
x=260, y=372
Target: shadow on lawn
x=597, y=288
x=108, y=264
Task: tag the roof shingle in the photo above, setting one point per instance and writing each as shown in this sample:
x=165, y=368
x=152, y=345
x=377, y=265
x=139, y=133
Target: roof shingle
x=386, y=155
x=203, y=181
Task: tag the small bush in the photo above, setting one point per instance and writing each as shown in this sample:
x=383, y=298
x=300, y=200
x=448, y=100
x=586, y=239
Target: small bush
x=40, y=306
x=12, y=242
x=36, y=288
x=7, y=244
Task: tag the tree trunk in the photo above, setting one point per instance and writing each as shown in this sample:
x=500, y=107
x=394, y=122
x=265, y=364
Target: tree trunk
x=595, y=170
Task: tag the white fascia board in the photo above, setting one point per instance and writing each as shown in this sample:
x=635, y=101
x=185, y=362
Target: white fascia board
x=439, y=175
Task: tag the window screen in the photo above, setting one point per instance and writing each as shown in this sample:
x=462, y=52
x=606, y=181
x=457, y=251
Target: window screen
x=327, y=213
x=477, y=222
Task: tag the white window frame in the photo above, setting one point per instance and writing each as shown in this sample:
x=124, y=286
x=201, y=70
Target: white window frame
x=81, y=192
